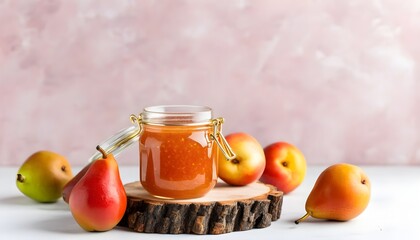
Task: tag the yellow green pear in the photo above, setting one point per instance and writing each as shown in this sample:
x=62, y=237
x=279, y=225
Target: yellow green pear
x=43, y=175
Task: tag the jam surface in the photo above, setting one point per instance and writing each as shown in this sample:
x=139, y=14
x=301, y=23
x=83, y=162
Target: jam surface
x=177, y=162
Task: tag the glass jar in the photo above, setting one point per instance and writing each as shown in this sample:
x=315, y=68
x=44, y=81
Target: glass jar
x=179, y=146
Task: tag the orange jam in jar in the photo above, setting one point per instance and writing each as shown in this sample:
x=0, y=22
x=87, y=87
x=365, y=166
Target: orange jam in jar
x=179, y=149
x=178, y=154
x=177, y=162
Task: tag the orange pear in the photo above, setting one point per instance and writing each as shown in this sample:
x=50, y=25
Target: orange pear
x=340, y=193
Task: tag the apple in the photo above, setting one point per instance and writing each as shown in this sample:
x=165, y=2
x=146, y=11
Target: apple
x=285, y=166
x=249, y=163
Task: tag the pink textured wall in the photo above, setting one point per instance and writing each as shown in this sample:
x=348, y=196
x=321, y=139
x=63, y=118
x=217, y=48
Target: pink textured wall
x=339, y=79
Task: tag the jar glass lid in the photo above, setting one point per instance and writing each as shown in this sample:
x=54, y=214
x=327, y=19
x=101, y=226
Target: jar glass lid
x=176, y=115
x=118, y=142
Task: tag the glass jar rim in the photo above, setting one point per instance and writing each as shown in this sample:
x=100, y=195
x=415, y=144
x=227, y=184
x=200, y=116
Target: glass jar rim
x=176, y=115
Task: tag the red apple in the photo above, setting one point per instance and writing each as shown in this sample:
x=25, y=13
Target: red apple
x=249, y=163
x=285, y=166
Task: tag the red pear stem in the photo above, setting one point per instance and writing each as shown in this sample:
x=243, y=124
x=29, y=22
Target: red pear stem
x=104, y=155
x=302, y=218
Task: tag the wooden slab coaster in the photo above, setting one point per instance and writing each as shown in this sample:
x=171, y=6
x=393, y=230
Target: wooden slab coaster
x=224, y=209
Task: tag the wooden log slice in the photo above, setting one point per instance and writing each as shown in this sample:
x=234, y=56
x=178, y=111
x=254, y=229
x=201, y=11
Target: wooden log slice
x=224, y=209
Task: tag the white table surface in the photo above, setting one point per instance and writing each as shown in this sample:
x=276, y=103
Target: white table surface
x=393, y=212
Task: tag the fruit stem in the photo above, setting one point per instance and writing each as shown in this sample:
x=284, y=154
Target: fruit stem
x=20, y=177
x=234, y=161
x=302, y=218
x=104, y=155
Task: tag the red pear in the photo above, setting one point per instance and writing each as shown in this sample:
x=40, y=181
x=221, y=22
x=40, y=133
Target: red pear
x=98, y=200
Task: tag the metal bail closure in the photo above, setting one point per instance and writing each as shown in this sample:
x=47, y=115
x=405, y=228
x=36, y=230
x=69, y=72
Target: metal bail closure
x=121, y=140
x=222, y=143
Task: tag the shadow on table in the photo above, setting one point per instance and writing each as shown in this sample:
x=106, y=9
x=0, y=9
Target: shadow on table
x=25, y=201
x=56, y=217
x=17, y=200
x=65, y=224
x=59, y=224
x=311, y=220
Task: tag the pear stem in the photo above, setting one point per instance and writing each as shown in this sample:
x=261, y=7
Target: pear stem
x=302, y=218
x=104, y=155
x=20, y=177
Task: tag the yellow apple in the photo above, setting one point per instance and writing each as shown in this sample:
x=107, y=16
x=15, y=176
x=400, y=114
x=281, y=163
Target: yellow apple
x=285, y=166
x=249, y=163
